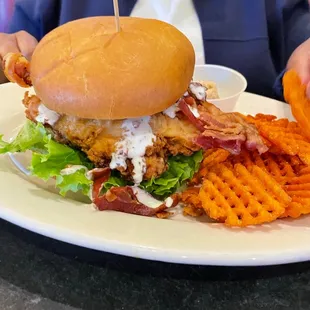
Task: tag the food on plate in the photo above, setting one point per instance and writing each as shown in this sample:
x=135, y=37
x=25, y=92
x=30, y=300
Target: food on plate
x=212, y=92
x=295, y=94
x=117, y=115
x=241, y=196
x=17, y=69
x=284, y=136
x=252, y=188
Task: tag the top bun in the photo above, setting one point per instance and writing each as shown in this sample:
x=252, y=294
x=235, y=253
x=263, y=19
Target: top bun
x=86, y=69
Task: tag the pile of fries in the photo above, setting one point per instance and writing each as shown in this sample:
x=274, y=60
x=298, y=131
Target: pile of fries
x=252, y=189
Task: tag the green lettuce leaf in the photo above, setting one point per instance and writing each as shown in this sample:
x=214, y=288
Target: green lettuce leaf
x=55, y=158
x=49, y=158
x=180, y=169
x=31, y=136
x=115, y=180
x=74, y=182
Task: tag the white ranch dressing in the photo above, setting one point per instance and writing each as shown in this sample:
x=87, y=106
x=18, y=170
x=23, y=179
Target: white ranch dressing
x=148, y=200
x=169, y=202
x=199, y=91
x=172, y=111
x=46, y=116
x=137, y=136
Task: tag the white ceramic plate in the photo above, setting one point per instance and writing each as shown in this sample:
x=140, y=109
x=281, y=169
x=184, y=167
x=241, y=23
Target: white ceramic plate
x=29, y=204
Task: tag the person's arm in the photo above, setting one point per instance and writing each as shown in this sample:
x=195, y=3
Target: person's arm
x=296, y=25
x=24, y=18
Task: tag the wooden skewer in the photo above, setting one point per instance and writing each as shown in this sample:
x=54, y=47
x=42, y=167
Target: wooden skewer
x=116, y=13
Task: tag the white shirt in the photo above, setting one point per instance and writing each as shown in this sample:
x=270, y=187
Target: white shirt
x=179, y=13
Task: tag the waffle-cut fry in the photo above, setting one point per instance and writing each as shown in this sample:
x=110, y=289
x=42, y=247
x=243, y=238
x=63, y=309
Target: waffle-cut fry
x=271, y=186
x=190, y=197
x=304, y=171
x=301, y=179
x=295, y=94
x=217, y=156
x=283, y=136
x=252, y=188
x=278, y=166
x=295, y=162
x=290, y=143
x=297, y=187
x=264, y=117
x=301, y=193
x=271, y=120
x=245, y=158
x=298, y=206
x=211, y=157
x=164, y=214
x=192, y=211
x=195, y=181
x=191, y=201
x=242, y=196
x=276, y=122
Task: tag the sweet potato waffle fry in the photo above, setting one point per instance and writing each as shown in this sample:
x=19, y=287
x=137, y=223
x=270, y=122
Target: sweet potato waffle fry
x=242, y=196
x=211, y=157
x=277, y=166
x=298, y=188
x=229, y=180
x=283, y=136
x=192, y=202
x=295, y=95
x=252, y=188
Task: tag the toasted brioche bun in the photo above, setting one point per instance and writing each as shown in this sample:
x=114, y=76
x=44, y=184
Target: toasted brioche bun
x=86, y=69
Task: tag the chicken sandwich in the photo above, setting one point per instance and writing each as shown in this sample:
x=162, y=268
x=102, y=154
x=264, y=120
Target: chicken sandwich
x=117, y=115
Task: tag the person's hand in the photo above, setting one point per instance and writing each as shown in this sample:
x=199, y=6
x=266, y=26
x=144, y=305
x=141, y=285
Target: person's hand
x=19, y=42
x=300, y=62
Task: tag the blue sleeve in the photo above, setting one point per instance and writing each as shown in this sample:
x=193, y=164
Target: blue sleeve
x=37, y=17
x=296, y=19
x=297, y=25
x=278, y=87
x=24, y=18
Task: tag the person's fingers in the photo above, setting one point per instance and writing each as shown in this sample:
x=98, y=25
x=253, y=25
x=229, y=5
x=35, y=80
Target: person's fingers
x=26, y=43
x=21, y=41
x=302, y=67
x=8, y=44
x=304, y=74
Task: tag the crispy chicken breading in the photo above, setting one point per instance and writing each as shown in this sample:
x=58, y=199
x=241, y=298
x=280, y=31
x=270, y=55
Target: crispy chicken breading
x=98, y=138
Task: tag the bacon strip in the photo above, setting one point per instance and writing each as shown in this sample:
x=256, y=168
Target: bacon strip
x=183, y=106
x=229, y=131
x=17, y=69
x=31, y=104
x=232, y=144
x=122, y=199
x=99, y=176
